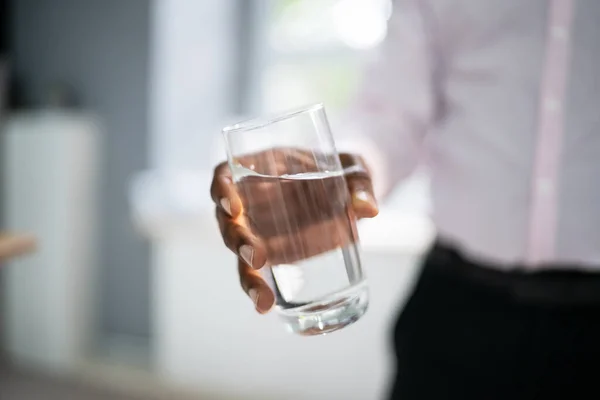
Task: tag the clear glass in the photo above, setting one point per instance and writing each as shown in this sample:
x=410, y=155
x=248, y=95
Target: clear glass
x=289, y=176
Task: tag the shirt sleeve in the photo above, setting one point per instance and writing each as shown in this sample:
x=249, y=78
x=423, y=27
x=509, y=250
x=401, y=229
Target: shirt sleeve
x=396, y=103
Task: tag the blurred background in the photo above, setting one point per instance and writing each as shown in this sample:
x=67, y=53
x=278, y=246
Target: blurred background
x=109, y=133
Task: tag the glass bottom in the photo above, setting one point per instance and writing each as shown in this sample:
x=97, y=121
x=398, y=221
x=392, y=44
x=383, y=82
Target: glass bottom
x=328, y=315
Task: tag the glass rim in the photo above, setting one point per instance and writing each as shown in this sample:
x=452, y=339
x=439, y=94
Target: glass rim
x=262, y=122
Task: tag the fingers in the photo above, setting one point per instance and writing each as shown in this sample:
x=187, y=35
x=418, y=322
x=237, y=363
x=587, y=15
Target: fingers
x=252, y=256
x=363, y=200
x=239, y=239
x=223, y=192
x=360, y=186
x=256, y=288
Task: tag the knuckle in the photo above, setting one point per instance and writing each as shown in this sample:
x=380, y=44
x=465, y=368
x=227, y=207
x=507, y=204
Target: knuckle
x=221, y=168
x=230, y=235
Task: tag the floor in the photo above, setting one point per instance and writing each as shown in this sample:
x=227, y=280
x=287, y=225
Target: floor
x=20, y=385
x=27, y=386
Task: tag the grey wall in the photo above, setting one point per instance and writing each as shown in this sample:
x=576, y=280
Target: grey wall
x=102, y=48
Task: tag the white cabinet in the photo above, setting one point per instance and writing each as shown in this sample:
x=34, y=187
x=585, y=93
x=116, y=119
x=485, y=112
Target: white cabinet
x=50, y=176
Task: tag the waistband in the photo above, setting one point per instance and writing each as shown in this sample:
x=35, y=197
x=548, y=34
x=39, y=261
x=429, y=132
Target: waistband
x=556, y=287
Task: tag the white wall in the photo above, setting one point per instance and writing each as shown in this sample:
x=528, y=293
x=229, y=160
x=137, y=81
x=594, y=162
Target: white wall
x=193, y=78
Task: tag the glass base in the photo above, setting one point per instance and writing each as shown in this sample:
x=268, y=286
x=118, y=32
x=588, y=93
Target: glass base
x=329, y=315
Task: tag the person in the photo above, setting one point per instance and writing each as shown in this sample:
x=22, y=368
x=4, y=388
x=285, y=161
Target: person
x=499, y=99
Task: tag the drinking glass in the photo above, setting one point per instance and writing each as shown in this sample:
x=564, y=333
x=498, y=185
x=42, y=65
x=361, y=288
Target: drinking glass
x=293, y=189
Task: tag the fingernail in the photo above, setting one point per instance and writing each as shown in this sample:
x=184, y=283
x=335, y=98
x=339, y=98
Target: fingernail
x=226, y=204
x=262, y=304
x=254, y=295
x=365, y=197
x=247, y=253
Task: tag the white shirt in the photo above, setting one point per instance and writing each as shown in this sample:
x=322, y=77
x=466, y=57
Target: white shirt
x=501, y=99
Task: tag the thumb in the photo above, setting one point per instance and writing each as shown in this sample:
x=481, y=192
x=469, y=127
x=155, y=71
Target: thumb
x=361, y=192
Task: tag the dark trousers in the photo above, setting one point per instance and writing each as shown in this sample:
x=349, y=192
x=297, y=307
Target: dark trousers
x=471, y=332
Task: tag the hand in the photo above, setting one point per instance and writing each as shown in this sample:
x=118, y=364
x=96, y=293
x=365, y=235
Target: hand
x=13, y=245
x=269, y=221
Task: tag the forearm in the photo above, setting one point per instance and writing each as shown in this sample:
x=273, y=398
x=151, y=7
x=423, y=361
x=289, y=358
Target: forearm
x=13, y=245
